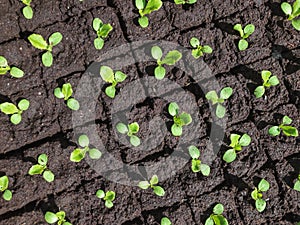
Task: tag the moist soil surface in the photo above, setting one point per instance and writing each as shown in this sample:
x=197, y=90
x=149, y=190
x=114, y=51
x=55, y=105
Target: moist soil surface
x=47, y=125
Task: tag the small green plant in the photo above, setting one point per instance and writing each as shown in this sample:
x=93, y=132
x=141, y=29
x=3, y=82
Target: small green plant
x=14, y=71
x=287, y=130
x=79, y=153
x=237, y=142
x=27, y=10
x=102, y=32
x=109, y=76
x=7, y=195
x=39, y=42
x=292, y=12
x=244, y=33
x=66, y=92
x=58, y=218
x=182, y=2
x=131, y=130
x=165, y=221
x=217, y=218
x=146, y=8
x=108, y=197
x=269, y=81
x=297, y=184
x=199, y=50
x=41, y=168
x=15, y=112
x=170, y=59
x=197, y=165
x=213, y=97
x=158, y=190
x=257, y=195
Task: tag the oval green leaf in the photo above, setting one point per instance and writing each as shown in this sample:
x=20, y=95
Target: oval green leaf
x=47, y=59
x=48, y=176
x=73, y=104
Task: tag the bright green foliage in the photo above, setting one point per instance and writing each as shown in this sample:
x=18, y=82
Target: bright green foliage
x=146, y=8
x=102, y=32
x=14, y=71
x=131, y=130
x=244, y=33
x=217, y=218
x=287, y=130
x=213, y=97
x=158, y=190
x=165, y=221
x=15, y=111
x=269, y=81
x=41, y=168
x=108, y=197
x=170, y=59
x=197, y=166
x=58, y=218
x=180, y=120
x=7, y=195
x=199, y=50
x=182, y=2
x=66, y=92
x=109, y=76
x=27, y=10
x=292, y=12
x=297, y=184
x=257, y=195
x=39, y=42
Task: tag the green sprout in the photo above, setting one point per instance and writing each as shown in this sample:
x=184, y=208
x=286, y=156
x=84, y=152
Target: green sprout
x=39, y=42
x=170, y=59
x=131, y=130
x=102, y=32
x=287, y=130
x=199, y=50
x=58, y=218
x=14, y=71
x=66, y=92
x=257, y=195
x=158, y=190
x=217, y=218
x=165, y=221
x=27, y=10
x=79, y=153
x=41, y=168
x=297, y=184
x=244, y=33
x=108, y=197
x=292, y=12
x=182, y=2
x=109, y=76
x=7, y=195
x=213, y=97
x=197, y=166
x=145, y=9
x=269, y=81
x=237, y=142
x=15, y=112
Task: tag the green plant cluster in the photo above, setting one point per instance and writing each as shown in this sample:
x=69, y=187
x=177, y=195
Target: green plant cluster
x=41, y=168
x=158, y=190
x=5, y=68
x=216, y=217
x=293, y=13
x=197, y=165
x=66, y=92
x=15, y=111
x=257, y=195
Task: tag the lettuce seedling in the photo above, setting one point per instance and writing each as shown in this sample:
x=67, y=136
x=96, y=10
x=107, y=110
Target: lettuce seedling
x=102, y=32
x=180, y=120
x=7, y=195
x=217, y=218
x=15, y=112
x=158, y=190
x=39, y=42
x=79, y=153
x=197, y=166
x=145, y=9
x=131, y=130
x=58, y=218
x=27, y=10
x=244, y=33
x=109, y=76
x=287, y=130
x=66, y=92
x=269, y=81
x=213, y=97
x=257, y=195
x=170, y=59
x=41, y=168
x=237, y=142
x=108, y=197
x=297, y=184
x=182, y=2
x=199, y=50
x=14, y=71
x=165, y=221
x=292, y=12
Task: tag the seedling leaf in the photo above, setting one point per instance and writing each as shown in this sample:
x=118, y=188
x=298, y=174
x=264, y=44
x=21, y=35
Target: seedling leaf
x=144, y=185
x=122, y=128
x=159, y=72
x=173, y=109
x=100, y=194
x=7, y=195
x=55, y=38
x=156, y=52
x=226, y=92
x=194, y=152
x=73, y=104
x=47, y=59
x=172, y=57
x=16, y=72
x=176, y=130
x=135, y=141
x=218, y=209
x=23, y=104
x=205, y=169
x=3, y=183
x=263, y=185
x=286, y=120
x=220, y=111
x=159, y=191
x=143, y=21
x=194, y=42
x=140, y=4
x=119, y=76
x=151, y=6
x=38, y=41
x=36, y=169
x=97, y=23
x=77, y=155
x=243, y=45
x=286, y=8
x=50, y=217
x=110, y=91
x=8, y=108
x=165, y=221
x=16, y=119
x=43, y=159
x=245, y=140
x=260, y=205
x=259, y=91
x=27, y=12
x=83, y=141
x=274, y=131
x=107, y=74
x=48, y=176
x=154, y=180
x=229, y=156
x=95, y=153
x=297, y=185
x=98, y=43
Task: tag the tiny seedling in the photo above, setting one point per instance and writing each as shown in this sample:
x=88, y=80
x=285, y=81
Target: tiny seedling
x=27, y=10
x=165, y=221
x=79, y=153
x=197, y=166
x=158, y=190
x=170, y=59
x=257, y=195
x=41, y=168
x=66, y=92
x=244, y=33
x=287, y=130
x=146, y=8
x=102, y=32
x=39, y=42
x=237, y=142
x=213, y=97
x=58, y=218
x=217, y=218
x=199, y=50
x=269, y=81
x=131, y=130
x=182, y=2
x=14, y=71
x=7, y=195
x=108, y=197
x=109, y=76
x=297, y=184
x=292, y=12
x=15, y=112
x=180, y=120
